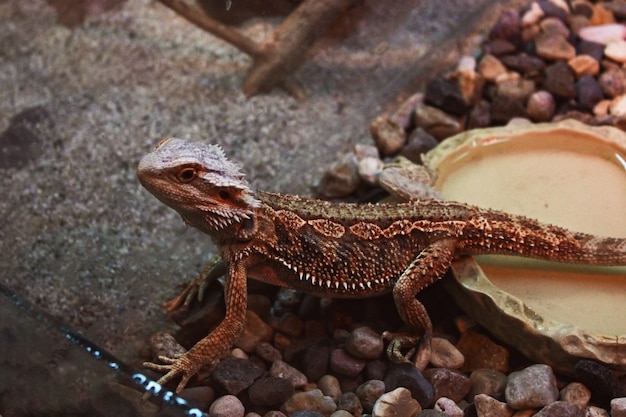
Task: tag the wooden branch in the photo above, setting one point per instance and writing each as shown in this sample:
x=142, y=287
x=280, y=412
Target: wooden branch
x=282, y=52
x=196, y=15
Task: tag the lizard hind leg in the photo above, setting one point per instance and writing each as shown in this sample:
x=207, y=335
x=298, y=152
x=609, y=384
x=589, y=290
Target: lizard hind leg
x=426, y=268
x=213, y=269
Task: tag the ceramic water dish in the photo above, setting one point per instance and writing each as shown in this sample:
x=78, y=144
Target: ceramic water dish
x=568, y=174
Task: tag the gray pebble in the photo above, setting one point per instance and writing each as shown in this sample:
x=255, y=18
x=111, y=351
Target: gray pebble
x=448, y=383
x=532, y=387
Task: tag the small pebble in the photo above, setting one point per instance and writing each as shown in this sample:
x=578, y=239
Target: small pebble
x=341, y=178
x=418, y=143
x=576, y=393
x=604, y=34
x=490, y=67
x=588, y=91
x=267, y=352
x=618, y=407
x=345, y=364
x=388, y=135
x=447, y=96
x=270, y=391
x=316, y=358
x=445, y=355
x=532, y=387
x=365, y=343
x=554, y=46
x=396, y=403
x=282, y=369
x=254, y=332
x=613, y=82
x=481, y=352
x=234, y=375
x=436, y=122
x=540, y=106
x=342, y=413
x=487, y=406
x=351, y=403
x=449, y=407
x=559, y=409
x=593, y=411
x=486, y=381
x=559, y=80
x=369, y=169
x=600, y=380
x=408, y=376
x=369, y=392
x=448, y=383
x=584, y=65
x=616, y=51
x=329, y=385
x=227, y=406
x=312, y=400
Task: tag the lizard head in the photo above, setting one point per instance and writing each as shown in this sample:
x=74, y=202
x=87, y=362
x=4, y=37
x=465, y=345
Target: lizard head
x=199, y=182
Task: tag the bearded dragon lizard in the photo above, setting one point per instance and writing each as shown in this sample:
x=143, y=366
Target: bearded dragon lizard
x=337, y=250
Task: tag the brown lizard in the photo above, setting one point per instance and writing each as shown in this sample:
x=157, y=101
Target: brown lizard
x=338, y=250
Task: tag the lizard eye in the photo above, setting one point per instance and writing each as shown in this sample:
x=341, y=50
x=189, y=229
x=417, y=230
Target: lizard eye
x=224, y=195
x=187, y=174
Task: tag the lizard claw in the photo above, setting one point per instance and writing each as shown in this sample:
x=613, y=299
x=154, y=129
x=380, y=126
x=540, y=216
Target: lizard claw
x=181, y=365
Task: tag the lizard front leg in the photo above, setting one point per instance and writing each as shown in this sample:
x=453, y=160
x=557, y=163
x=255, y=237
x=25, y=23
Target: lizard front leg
x=217, y=344
x=425, y=269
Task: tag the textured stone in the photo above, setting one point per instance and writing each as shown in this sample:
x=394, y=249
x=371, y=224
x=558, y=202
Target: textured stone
x=270, y=391
x=227, y=406
x=312, y=400
x=540, y=106
x=254, y=332
x=604, y=34
x=233, y=375
x=267, y=352
x=552, y=25
x=554, y=46
x=486, y=381
x=282, y=369
x=602, y=383
x=584, y=65
x=576, y=393
x=448, y=383
x=559, y=80
x=342, y=413
x=329, y=385
x=445, y=355
x=388, y=135
x=368, y=392
x=408, y=376
x=487, y=406
x=616, y=51
x=480, y=116
x=316, y=359
x=448, y=407
x=613, y=82
x=618, y=106
x=528, y=65
x=588, y=92
x=345, y=364
x=349, y=401
x=341, y=178
x=532, y=387
x=618, y=407
x=364, y=343
x=396, y=403
x=436, y=122
x=559, y=409
x=481, y=352
x=593, y=411
x=447, y=96
x=419, y=142
x=490, y=67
